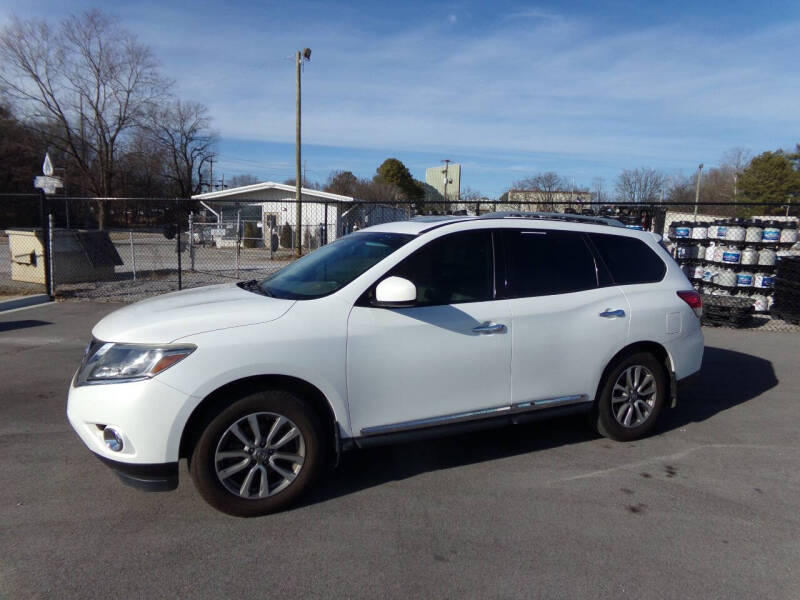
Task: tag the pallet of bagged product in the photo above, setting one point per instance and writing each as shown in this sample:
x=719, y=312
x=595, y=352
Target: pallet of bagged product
x=726, y=311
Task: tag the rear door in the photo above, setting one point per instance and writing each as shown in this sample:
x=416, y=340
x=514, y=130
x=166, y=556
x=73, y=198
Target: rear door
x=637, y=270
x=568, y=319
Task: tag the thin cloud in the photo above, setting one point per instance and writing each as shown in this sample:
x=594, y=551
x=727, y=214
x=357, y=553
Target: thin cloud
x=560, y=88
x=533, y=13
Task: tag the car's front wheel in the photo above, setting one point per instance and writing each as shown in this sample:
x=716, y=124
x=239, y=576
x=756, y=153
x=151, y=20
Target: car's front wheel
x=631, y=398
x=259, y=454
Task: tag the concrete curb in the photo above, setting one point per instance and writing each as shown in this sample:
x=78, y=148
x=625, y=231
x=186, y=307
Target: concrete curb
x=24, y=301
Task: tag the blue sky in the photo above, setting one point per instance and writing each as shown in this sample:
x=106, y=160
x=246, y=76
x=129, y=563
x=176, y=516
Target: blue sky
x=505, y=88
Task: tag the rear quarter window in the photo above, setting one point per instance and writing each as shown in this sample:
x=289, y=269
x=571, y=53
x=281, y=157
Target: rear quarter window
x=629, y=259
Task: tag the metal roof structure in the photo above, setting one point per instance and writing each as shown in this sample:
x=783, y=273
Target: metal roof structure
x=232, y=193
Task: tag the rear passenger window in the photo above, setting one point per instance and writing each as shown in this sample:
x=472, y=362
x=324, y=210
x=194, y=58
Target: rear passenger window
x=543, y=263
x=630, y=260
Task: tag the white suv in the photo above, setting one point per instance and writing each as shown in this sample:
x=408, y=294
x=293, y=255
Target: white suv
x=394, y=332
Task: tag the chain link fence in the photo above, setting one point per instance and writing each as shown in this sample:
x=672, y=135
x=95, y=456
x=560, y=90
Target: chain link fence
x=744, y=258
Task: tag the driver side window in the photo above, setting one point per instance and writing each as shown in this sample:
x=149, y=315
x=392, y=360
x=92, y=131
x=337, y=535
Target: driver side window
x=452, y=269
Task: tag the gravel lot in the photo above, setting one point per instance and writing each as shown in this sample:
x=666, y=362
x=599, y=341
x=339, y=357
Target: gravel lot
x=706, y=508
x=155, y=262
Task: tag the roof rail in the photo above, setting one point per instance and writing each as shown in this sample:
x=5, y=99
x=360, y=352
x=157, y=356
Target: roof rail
x=435, y=218
x=552, y=216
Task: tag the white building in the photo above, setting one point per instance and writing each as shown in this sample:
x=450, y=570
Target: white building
x=451, y=173
x=272, y=207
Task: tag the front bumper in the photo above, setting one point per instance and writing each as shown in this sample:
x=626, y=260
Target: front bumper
x=149, y=416
x=150, y=478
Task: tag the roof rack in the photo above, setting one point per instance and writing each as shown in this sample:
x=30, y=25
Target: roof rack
x=435, y=218
x=552, y=216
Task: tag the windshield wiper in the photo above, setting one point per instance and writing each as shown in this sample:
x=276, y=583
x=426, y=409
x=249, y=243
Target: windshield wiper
x=254, y=286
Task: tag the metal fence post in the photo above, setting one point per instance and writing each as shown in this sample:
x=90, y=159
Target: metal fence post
x=324, y=240
x=191, y=241
x=238, y=238
x=50, y=258
x=43, y=220
x=133, y=254
x=178, y=241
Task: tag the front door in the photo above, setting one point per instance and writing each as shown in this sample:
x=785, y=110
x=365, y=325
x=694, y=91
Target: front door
x=445, y=359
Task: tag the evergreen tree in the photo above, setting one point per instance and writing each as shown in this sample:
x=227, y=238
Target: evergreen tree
x=771, y=177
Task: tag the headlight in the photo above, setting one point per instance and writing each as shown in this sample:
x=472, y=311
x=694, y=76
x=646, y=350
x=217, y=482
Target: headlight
x=106, y=362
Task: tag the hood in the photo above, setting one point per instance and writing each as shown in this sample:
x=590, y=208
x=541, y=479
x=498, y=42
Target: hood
x=166, y=318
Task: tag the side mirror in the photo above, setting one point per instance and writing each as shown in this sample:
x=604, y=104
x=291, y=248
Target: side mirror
x=395, y=292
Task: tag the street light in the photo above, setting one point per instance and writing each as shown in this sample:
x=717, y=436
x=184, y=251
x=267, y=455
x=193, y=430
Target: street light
x=697, y=190
x=446, y=162
x=303, y=55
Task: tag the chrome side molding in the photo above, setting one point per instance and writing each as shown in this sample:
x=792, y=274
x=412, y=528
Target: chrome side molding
x=484, y=413
x=558, y=401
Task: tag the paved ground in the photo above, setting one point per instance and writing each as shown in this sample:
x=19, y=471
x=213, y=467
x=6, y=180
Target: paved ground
x=707, y=508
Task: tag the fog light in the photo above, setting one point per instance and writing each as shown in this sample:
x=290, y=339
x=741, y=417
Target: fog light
x=113, y=439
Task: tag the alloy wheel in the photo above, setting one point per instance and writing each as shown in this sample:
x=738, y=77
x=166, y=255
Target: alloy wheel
x=634, y=396
x=259, y=455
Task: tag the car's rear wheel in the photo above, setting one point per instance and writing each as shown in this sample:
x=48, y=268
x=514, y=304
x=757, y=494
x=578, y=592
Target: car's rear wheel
x=632, y=397
x=259, y=454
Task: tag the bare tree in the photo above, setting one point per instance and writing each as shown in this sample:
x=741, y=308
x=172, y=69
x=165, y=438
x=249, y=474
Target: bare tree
x=544, y=187
x=736, y=160
x=88, y=77
x=717, y=184
x=181, y=130
x=737, y=157
x=640, y=185
x=309, y=185
x=379, y=191
x=366, y=190
x=19, y=155
x=679, y=188
x=244, y=179
x=471, y=199
x=141, y=168
x=342, y=182
x=598, y=189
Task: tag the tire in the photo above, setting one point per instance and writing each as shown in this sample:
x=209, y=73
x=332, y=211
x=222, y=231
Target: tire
x=626, y=411
x=286, y=455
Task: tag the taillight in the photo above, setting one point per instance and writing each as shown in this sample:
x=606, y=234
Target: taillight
x=693, y=299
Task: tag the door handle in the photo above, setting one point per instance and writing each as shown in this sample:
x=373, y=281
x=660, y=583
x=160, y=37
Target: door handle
x=610, y=314
x=486, y=328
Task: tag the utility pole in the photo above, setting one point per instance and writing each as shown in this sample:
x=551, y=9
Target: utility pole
x=446, y=162
x=697, y=190
x=211, y=174
x=304, y=55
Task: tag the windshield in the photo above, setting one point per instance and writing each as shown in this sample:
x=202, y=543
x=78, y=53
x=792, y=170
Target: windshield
x=333, y=266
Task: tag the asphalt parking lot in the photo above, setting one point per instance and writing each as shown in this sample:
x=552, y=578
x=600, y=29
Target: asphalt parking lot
x=706, y=508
